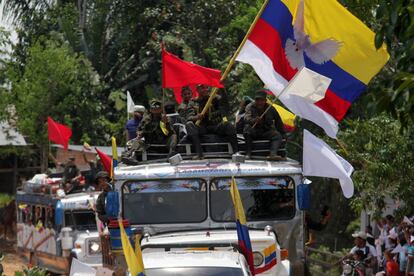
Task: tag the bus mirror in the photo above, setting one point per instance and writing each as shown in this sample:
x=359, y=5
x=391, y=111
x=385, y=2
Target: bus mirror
x=59, y=213
x=304, y=196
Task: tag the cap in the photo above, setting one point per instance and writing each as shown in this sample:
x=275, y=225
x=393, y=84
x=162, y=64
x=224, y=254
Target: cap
x=155, y=104
x=102, y=174
x=260, y=94
x=169, y=103
x=247, y=99
x=360, y=234
x=139, y=108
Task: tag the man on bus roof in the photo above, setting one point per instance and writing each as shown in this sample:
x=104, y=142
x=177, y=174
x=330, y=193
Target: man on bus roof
x=263, y=123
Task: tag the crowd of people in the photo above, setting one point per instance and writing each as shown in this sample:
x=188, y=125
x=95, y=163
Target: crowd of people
x=390, y=251
x=166, y=124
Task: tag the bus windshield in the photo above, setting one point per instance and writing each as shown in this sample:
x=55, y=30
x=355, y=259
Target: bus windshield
x=80, y=219
x=165, y=201
x=264, y=198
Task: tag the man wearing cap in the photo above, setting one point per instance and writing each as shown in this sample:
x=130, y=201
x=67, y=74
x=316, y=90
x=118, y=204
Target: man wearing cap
x=370, y=254
x=263, y=125
x=102, y=184
x=71, y=175
x=155, y=128
x=212, y=122
x=132, y=125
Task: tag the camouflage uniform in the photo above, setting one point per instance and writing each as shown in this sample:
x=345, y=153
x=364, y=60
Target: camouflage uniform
x=271, y=128
x=211, y=123
x=150, y=129
x=100, y=201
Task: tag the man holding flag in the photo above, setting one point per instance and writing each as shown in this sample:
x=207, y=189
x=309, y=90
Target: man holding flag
x=261, y=122
x=212, y=122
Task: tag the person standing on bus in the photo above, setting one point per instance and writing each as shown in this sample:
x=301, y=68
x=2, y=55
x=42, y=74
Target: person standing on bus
x=102, y=181
x=132, y=125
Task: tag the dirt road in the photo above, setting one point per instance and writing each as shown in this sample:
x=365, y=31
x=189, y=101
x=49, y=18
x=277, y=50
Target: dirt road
x=11, y=261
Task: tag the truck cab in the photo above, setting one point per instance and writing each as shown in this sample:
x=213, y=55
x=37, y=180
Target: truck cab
x=229, y=263
x=268, y=257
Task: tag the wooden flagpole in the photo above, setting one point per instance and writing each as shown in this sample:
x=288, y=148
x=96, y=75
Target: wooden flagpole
x=232, y=60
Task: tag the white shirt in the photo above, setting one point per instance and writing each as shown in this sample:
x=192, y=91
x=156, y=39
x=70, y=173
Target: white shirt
x=372, y=251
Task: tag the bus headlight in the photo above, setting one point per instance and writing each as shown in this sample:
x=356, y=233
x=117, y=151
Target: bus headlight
x=257, y=258
x=94, y=247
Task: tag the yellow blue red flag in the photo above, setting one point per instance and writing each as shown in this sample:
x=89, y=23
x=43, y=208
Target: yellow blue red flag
x=134, y=262
x=322, y=36
x=241, y=224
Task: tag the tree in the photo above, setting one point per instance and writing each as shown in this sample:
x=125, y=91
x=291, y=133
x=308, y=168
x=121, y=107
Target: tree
x=55, y=82
x=383, y=160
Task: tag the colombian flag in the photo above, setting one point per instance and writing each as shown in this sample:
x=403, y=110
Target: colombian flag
x=322, y=36
x=241, y=224
x=270, y=259
x=287, y=117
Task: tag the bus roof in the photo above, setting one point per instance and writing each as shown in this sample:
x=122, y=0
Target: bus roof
x=71, y=201
x=207, y=168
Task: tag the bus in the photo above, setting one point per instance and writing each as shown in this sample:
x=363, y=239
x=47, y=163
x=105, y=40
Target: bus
x=165, y=198
x=53, y=228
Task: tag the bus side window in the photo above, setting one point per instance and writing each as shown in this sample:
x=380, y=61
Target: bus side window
x=19, y=215
x=68, y=219
x=50, y=217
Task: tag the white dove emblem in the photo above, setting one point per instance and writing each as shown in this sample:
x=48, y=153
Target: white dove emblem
x=319, y=52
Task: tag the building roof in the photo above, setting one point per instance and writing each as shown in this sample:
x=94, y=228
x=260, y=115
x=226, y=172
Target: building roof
x=106, y=150
x=9, y=136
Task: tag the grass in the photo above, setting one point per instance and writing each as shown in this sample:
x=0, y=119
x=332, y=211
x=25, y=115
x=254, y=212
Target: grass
x=5, y=199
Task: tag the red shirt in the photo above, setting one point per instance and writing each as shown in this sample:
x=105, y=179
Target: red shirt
x=393, y=269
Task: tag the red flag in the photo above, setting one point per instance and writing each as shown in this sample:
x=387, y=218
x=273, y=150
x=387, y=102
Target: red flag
x=106, y=161
x=179, y=73
x=58, y=133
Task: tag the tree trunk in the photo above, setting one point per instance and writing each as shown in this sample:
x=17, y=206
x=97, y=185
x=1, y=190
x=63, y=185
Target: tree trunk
x=44, y=161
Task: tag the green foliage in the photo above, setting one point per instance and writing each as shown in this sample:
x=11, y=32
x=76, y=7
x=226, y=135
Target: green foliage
x=5, y=199
x=33, y=271
x=383, y=162
x=396, y=18
x=59, y=83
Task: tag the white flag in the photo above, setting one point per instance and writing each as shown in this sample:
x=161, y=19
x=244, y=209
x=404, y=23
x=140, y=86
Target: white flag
x=309, y=85
x=81, y=269
x=130, y=103
x=299, y=96
x=319, y=159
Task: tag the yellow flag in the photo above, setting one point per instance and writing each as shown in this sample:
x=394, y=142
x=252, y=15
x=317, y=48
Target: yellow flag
x=135, y=267
x=163, y=128
x=237, y=202
x=138, y=252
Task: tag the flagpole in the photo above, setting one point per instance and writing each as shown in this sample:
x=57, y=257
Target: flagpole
x=232, y=60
